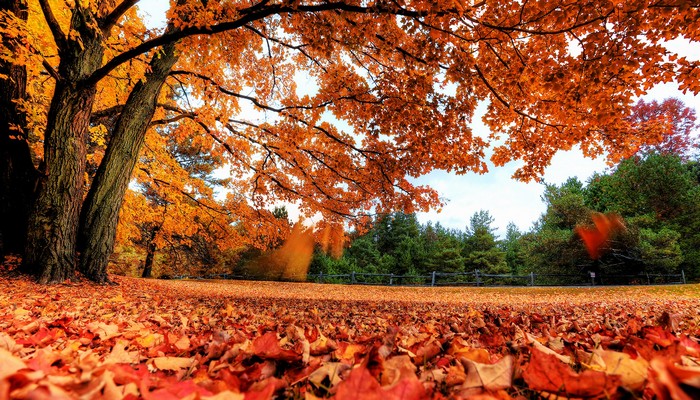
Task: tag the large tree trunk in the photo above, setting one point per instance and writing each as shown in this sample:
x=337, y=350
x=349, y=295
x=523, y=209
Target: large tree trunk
x=17, y=173
x=100, y=215
x=53, y=223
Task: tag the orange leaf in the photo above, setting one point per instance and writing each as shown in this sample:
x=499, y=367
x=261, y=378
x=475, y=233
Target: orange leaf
x=267, y=347
x=547, y=373
x=360, y=384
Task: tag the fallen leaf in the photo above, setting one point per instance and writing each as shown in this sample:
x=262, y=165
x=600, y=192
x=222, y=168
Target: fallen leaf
x=267, y=347
x=633, y=373
x=545, y=372
x=119, y=354
x=9, y=363
x=331, y=371
x=172, y=363
x=498, y=375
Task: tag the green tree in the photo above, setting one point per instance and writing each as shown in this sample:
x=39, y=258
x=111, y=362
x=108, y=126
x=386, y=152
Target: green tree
x=480, y=250
x=658, y=195
x=552, y=246
x=661, y=250
x=445, y=250
x=513, y=249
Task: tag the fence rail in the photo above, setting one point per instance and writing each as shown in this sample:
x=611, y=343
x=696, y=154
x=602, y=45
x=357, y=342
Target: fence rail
x=476, y=278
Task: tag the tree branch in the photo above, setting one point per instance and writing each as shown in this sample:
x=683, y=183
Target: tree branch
x=255, y=13
x=58, y=35
x=107, y=22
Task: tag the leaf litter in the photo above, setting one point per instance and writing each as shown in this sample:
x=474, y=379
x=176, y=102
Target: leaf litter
x=156, y=339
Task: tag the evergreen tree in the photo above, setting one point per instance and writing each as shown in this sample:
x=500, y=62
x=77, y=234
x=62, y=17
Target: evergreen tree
x=513, y=249
x=480, y=250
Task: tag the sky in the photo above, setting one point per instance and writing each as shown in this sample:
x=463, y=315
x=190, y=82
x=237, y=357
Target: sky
x=506, y=199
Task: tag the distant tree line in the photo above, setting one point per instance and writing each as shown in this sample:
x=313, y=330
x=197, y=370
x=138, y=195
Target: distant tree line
x=656, y=193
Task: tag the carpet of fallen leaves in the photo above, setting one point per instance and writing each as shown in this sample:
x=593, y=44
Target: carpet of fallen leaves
x=260, y=340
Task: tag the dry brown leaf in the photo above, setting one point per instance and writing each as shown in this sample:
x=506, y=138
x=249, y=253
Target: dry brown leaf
x=498, y=375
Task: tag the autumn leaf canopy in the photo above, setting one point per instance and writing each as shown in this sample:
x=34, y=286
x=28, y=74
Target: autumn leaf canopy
x=337, y=105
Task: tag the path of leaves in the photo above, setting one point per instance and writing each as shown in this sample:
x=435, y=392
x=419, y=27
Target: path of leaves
x=262, y=340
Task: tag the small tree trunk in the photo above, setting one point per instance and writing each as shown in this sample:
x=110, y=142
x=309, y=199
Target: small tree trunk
x=17, y=173
x=100, y=215
x=150, y=254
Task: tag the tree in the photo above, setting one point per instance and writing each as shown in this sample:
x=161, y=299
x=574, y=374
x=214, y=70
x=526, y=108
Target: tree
x=675, y=124
x=17, y=172
x=552, y=246
x=512, y=247
x=381, y=67
x=657, y=195
x=445, y=251
x=480, y=247
x=656, y=184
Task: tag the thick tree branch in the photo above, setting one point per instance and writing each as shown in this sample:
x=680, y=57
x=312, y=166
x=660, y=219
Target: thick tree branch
x=108, y=21
x=255, y=13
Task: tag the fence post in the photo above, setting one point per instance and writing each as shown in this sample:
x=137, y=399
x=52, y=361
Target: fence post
x=683, y=276
x=592, y=278
x=432, y=280
x=391, y=279
x=648, y=280
x=478, y=279
x=352, y=277
x=532, y=278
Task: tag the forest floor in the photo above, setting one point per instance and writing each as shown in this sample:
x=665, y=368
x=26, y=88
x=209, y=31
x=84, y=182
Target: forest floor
x=158, y=339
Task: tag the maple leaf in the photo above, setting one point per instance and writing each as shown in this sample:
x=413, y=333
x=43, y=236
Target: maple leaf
x=498, y=375
x=172, y=363
x=360, y=384
x=330, y=371
x=119, y=354
x=267, y=347
x=9, y=364
x=604, y=225
x=632, y=372
x=547, y=373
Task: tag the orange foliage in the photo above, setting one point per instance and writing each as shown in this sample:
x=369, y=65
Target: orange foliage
x=332, y=239
x=597, y=236
x=291, y=261
x=336, y=106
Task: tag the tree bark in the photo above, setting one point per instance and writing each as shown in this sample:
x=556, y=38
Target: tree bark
x=100, y=215
x=50, y=252
x=150, y=253
x=17, y=173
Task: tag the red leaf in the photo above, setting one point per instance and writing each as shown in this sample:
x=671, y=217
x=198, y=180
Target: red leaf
x=659, y=336
x=547, y=373
x=360, y=384
x=267, y=347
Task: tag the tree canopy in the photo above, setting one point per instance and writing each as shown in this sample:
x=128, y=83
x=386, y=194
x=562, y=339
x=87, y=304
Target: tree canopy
x=390, y=89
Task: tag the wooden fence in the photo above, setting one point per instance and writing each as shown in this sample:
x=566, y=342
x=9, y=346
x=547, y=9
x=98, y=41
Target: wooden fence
x=477, y=278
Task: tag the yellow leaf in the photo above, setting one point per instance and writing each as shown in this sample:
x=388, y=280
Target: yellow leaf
x=632, y=372
x=9, y=364
x=149, y=340
x=489, y=376
x=172, y=363
x=183, y=343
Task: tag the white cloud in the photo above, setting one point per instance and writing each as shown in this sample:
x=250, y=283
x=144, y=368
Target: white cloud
x=506, y=199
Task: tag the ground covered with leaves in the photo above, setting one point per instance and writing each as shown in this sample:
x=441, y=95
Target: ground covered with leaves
x=260, y=340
